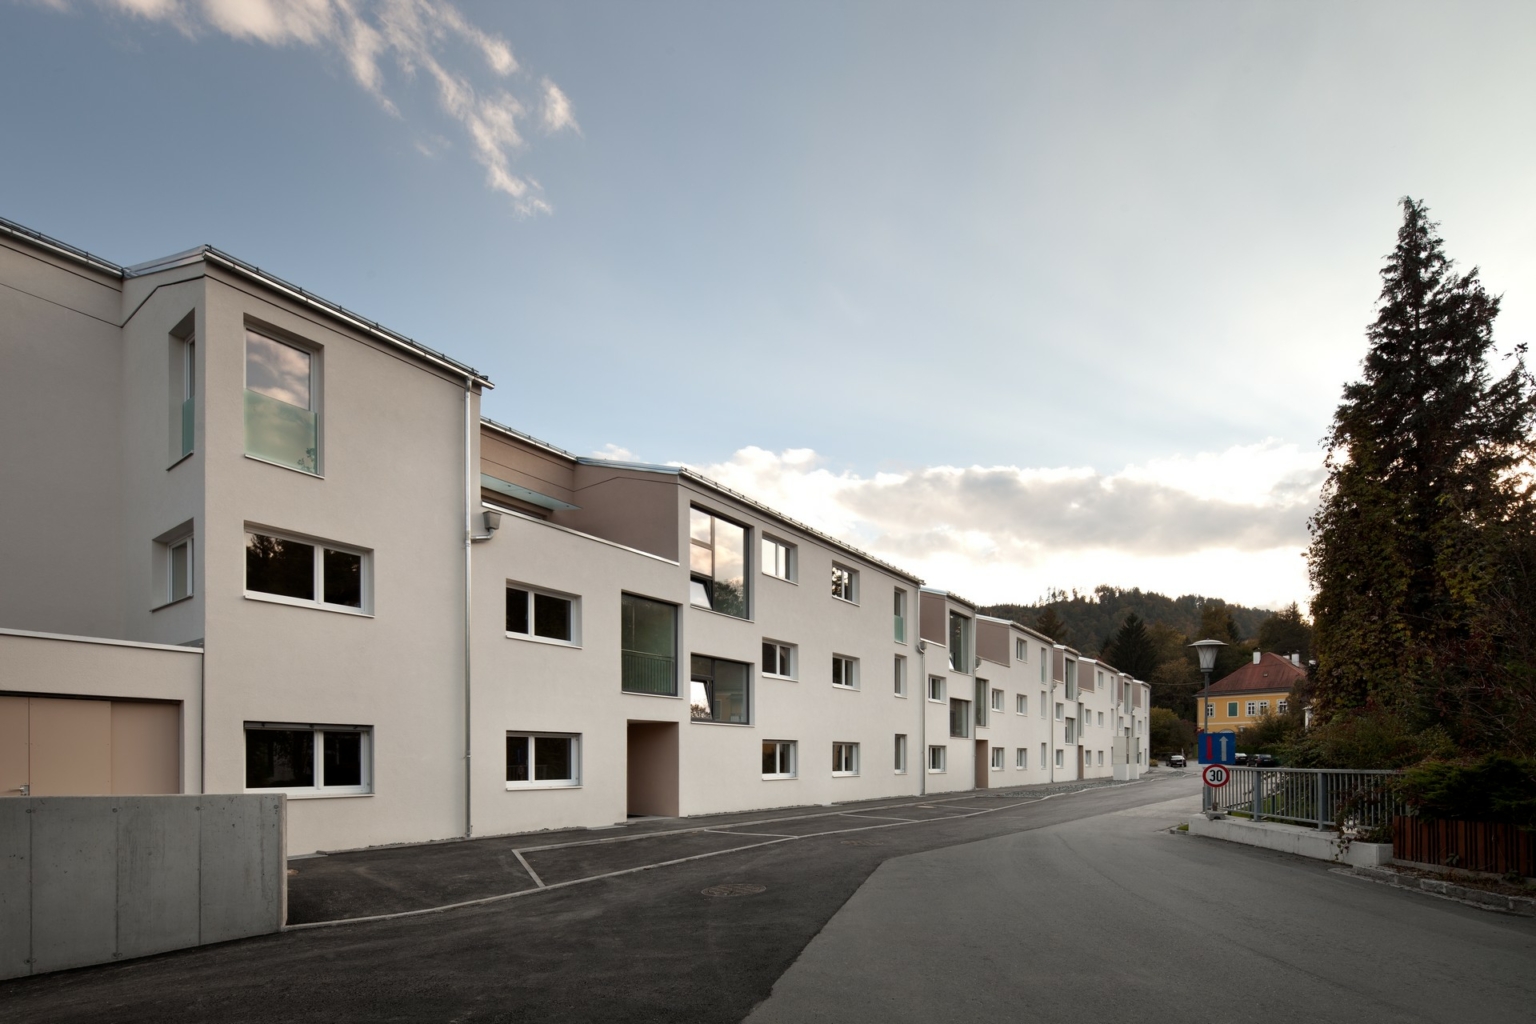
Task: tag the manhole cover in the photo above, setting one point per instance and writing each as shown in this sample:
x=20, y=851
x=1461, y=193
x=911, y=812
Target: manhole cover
x=861, y=842
x=734, y=889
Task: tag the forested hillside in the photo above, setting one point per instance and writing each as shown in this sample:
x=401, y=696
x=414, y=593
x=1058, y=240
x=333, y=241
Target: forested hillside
x=1089, y=621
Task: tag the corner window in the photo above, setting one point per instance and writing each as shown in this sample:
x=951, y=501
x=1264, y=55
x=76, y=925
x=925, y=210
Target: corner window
x=282, y=424
x=717, y=563
x=936, y=689
x=997, y=700
x=543, y=760
x=778, y=659
x=900, y=609
x=960, y=643
x=779, y=759
x=845, y=672
x=845, y=759
x=901, y=754
x=648, y=646
x=936, y=757
x=901, y=676
x=1021, y=757
x=997, y=758
x=1021, y=704
x=718, y=690
x=845, y=584
x=779, y=559
x=308, y=572
x=540, y=615
x=309, y=760
x=959, y=717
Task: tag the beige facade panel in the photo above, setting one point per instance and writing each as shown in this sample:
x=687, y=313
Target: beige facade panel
x=146, y=748
x=934, y=619
x=992, y=641
x=527, y=466
x=631, y=507
x=70, y=744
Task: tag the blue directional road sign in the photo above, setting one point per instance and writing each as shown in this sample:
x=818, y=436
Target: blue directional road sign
x=1216, y=747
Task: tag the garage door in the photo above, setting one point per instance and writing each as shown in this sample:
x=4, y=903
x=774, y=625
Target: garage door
x=61, y=746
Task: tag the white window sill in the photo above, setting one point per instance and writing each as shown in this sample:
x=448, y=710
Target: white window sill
x=936, y=771
x=997, y=768
x=901, y=695
x=549, y=640
x=732, y=725
x=279, y=465
x=845, y=600
x=936, y=700
x=781, y=579
x=723, y=615
x=845, y=775
x=179, y=461
x=775, y=675
x=841, y=686
x=780, y=778
x=663, y=696
x=315, y=794
x=514, y=787
x=169, y=604
x=293, y=602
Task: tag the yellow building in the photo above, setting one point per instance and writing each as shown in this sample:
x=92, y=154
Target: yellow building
x=1263, y=687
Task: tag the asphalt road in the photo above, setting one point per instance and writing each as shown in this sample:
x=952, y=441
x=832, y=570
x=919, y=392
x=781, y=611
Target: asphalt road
x=1054, y=909
x=1113, y=918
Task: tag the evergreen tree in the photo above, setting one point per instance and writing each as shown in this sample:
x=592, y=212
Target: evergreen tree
x=1051, y=625
x=1427, y=512
x=1286, y=632
x=1132, y=649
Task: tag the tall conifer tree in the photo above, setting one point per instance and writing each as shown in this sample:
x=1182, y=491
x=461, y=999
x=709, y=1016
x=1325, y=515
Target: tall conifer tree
x=1427, y=507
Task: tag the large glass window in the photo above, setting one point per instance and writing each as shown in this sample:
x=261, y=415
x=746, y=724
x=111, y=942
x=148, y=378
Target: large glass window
x=717, y=563
x=281, y=424
x=536, y=760
x=959, y=717
x=308, y=758
x=960, y=642
x=648, y=646
x=779, y=558
x=1071, y=679
x=718, y=690
x=305, y=571
x=535, y=614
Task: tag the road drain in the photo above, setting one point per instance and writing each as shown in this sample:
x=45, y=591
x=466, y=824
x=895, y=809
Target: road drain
x=734, y=889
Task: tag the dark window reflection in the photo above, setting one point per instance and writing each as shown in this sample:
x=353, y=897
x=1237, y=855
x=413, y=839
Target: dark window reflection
x=342, y=755
x=279, y=758
x=277, y=566
x=343, y=578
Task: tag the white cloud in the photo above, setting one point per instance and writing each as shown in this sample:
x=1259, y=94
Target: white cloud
x=418, y=36
x=1229, y=524
x=614, y=453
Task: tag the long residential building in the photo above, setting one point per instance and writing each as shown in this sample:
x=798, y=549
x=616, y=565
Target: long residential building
x=253, y=541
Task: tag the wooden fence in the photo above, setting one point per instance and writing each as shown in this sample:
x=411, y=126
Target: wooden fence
x=1469, y=845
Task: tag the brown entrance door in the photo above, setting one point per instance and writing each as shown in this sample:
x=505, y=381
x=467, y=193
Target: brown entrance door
x=982, y=764
x=1080, y=753
x=652, y=769
x=61, y=746
x=15, y=776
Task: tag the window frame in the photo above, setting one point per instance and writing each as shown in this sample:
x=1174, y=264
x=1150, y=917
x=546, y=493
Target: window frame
x=791, y=552
x=900, y=754
x=899, y=616
x=851, y=579
x=316, y=387
x=320, y=545
x=1231, y=709
x=848, y=755
x=960, y=711
x=998, y=756
x=574, y=739
x=1282, y=707
x=999, y=700
x=851, y=670
x=319, y=789
x=937, y=752
x=785, y=653
x=1021, y=704
x=942, y=689
x=961, y=658
x=900, y=676
x=1021, y=758
x=781, y=747
x=1059, y=763
x=533, y=592
x=746, y=564
x=1021, y=651
x=749, y=698
x=1250, y=707
x=1061, y=710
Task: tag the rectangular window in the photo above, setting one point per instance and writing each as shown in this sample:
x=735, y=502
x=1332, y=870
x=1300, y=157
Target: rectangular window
x=901, y=676
x=1021, y=704
x=304, y=760
x=982, y=703
x=1071, y=679
x=1210, y=711
x=1252, y=708
x=959, y=717
x=648, y=646
x=1231, y=709
x=1282, y=707
x=900, y=611
x=540, y=760
x=1263, y=707
x=779, y=559
x=901, y=754
x=845, y=672
x=305, y=571
x=719, y=690
x=1042, y=703
x=1020, y=651
x=936, y=758
x=1071, y=731
x=1045, y=664
x=717, y=564
x=1101, y=719
x=845, y=759
x=173, y=568
x=281, y=422
x=997, y=759
x=845, y=583
x=997, y=700
x=1101, y=759
x=1058, y=759
x=183, y=396
x=1021, y=757
x=534, y=614
x=936, y=689
x=960, y=643
x=1042, y=755
x=778, y=659
x=1060, y=708
x=778, y=759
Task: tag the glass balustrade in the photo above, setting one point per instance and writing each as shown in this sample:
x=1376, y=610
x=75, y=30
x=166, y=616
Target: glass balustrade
x=281, y=433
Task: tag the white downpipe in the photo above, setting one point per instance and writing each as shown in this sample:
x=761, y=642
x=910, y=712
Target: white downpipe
x=470, y=477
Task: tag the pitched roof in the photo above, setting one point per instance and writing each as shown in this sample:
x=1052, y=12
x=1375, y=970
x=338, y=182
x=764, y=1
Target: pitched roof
x=1270, y=674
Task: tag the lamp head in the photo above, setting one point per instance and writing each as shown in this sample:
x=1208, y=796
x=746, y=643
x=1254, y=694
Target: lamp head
x=1206, y=649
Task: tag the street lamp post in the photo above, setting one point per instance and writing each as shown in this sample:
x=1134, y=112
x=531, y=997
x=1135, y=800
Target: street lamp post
x=1206, y=650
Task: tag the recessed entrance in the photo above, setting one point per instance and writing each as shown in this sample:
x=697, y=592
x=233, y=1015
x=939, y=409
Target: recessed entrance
x=652, y=769
x=982, y=764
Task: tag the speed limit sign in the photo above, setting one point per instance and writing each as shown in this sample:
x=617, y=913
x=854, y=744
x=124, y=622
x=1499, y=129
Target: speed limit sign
x=1216, y=775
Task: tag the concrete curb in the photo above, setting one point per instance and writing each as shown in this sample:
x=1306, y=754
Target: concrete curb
x=1521, y=905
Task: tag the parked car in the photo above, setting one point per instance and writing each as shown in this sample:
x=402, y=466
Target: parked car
x=1241, y=757
x=1264, y=761
x=1176, y=761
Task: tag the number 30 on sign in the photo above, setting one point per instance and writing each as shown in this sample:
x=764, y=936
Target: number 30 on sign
x=1216, y=775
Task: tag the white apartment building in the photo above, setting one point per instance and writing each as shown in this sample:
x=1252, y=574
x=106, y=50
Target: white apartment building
x=254, y=541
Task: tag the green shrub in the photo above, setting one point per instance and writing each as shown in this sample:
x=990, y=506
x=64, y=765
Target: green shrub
x=1493, y=788
x=1366, y=738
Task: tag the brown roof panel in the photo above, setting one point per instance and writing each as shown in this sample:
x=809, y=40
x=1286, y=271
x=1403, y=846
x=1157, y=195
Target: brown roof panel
x=1270, y=674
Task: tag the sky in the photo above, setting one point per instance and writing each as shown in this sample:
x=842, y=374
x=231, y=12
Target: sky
x=1017, y=296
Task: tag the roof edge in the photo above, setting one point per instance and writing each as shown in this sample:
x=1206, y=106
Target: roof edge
x=64, y=249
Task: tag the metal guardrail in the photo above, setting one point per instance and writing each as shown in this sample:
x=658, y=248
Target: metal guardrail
x=1324, y=798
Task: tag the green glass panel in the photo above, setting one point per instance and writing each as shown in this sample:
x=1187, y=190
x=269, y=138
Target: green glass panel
x=188, y=419
x=281, y=433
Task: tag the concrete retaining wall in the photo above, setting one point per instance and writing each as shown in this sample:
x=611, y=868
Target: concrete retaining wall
x=94, y=879
x=1293, y=839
